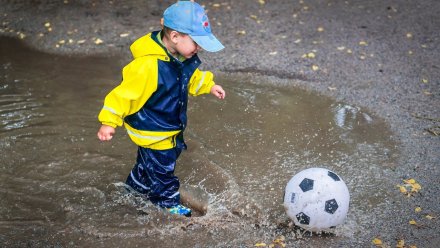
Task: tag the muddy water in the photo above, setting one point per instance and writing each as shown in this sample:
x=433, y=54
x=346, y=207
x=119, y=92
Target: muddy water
x=60, y=186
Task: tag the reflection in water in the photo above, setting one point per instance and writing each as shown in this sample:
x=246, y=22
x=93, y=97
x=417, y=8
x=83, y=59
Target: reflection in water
x=346, y=116
x=60, y=185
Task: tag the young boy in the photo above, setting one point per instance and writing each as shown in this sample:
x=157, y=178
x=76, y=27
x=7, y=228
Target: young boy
x=152, y=99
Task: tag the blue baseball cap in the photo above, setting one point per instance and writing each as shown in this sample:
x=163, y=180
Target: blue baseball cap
x=190, y=18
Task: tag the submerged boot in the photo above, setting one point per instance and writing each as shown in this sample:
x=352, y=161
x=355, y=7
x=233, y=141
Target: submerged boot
x=180, y=210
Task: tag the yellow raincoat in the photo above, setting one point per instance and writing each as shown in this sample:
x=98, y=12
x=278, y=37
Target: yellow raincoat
x=152, y=99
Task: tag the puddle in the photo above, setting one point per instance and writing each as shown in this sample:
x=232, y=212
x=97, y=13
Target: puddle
x=61, y=186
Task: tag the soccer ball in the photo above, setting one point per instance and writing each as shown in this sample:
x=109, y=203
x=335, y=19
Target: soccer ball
x=316, y=199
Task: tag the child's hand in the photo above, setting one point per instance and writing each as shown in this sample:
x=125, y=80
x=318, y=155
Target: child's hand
x=105, y=133
x=218, y=91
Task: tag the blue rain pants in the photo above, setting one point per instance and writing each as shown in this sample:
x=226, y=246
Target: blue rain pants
x=153, y=176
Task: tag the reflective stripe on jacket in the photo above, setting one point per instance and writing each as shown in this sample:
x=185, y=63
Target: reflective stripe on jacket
x=152, y=99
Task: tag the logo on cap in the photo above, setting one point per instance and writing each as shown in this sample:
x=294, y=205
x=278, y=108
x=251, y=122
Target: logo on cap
x=205, y=24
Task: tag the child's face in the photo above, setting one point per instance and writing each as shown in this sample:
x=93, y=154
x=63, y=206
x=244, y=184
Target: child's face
x=185, y=46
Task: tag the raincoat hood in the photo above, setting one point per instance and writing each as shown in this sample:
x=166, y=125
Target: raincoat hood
x=146, y=46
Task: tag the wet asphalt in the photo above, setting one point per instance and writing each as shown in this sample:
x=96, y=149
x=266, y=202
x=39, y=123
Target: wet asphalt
x=381, y=55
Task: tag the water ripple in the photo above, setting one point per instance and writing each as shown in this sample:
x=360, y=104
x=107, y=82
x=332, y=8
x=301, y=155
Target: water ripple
x=18, y=110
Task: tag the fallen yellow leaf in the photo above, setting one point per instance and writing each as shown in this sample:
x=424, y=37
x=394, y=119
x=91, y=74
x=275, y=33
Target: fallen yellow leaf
x=400, y=243
x=429, y=217
x=260, y=245
x=427, y=93
x=308, y=55
x=315, y=67
x=425, y=81
x=377, y=241
x=98, y=41
x=418, y=209
x=402, y=189
x=410, y=184
x=409, y=35
x=412, y=222
x=320, y=29
x=280, y=239
x=363, y=43
x=416, y=187
x=242, y=32
x=410, y=181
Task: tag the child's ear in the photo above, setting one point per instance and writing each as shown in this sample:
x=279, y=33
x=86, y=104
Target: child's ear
x=174, y=36
x=161, y=22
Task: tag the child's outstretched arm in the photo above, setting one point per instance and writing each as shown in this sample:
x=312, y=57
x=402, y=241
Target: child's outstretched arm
x=218, y=91
x=105, y=133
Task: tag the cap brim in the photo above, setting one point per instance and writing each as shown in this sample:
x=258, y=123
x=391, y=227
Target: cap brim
x=208, y=42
